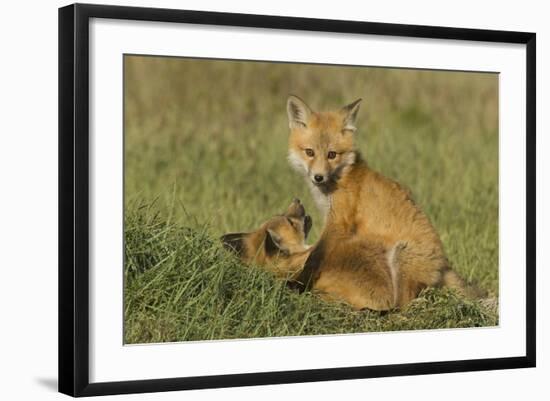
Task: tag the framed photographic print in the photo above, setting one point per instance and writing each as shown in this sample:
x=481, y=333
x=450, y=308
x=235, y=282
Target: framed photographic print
x=249, y=199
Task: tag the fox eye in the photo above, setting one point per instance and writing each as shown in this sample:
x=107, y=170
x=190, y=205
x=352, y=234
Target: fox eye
x=310, y=152
x=331, y=154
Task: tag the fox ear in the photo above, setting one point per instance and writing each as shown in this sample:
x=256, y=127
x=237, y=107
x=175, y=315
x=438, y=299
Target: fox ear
x=298, y=112
x=350, y=115
x=274, y=243
x=234, y=242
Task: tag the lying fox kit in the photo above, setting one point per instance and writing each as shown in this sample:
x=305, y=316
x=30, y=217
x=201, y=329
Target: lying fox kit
x=366, y=215
x=278, y=245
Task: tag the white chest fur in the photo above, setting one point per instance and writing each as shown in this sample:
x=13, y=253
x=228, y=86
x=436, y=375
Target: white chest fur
x=322, y=201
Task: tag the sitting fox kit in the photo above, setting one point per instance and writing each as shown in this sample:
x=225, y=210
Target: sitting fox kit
x=378, y=250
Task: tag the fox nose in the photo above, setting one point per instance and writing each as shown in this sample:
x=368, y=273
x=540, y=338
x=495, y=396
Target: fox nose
x=296, y=209
x=318, y=178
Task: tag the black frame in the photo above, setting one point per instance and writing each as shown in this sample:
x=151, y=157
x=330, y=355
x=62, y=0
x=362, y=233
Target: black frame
x=74, y=191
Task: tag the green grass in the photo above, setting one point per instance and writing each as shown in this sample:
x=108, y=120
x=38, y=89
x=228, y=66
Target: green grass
x=205, y=154
x=182, y=285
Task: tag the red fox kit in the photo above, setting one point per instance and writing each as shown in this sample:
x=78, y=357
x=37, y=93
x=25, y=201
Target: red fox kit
x=378, y=250
x=278, y=245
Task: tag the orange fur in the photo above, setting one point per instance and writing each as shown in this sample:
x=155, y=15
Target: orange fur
x=378, y=249
x=278, y=245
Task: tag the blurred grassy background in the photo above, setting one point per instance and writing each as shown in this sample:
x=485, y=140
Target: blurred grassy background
x=206, y=144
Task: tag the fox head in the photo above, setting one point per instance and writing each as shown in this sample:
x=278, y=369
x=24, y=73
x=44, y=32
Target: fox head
x=321, y=144
x=279, y=237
